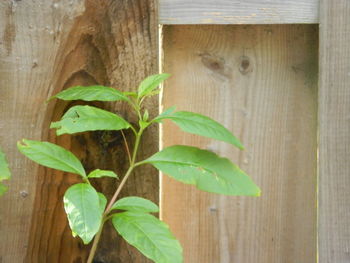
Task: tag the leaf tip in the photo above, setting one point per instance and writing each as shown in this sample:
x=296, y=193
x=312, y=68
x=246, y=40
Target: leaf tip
x=258, y=193
x=54, y=124
x=50, y=99
x=238, y=144
x=22, y=143
x=166, y=75
x=86, y=241
x=57, y=125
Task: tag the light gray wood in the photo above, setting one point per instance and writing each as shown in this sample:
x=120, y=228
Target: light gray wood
x=47, y=46
x=260, y=81
x=31, y=33
x=238, y=11
x=334, y=133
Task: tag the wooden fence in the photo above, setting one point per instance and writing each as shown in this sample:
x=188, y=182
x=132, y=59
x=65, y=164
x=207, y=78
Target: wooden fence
x=276, y=73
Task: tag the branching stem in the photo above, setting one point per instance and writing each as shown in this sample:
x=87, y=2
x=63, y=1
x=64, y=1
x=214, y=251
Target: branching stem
x=105, y=216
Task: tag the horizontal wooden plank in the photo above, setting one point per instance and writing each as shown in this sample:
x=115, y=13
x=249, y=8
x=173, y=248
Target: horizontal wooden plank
x=238, y=11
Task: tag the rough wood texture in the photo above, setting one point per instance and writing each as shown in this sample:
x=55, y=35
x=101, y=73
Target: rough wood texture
x=47, y=46
x=261, y=82
x=238, y=11
x=334, y=132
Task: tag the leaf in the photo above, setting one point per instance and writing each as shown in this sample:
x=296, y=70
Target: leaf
x=102, y=173
x=149, y=235
x=88, y=118
x=201, y=125
x=5, y=173
x=3, y=189
x=51, y=155
x=145, y=115
x=83, y=209
x=91, y=93
x=102, y=201
x=150, y=83
x=205, y=169
x=130, y=94
x=136, y=204
x=167, y=112
x=74, y=234
x=143, y=124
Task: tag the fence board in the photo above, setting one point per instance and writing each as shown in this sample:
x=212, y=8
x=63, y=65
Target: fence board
x=238, y=11
x=27, y=56
x=261, y=82
x=334, y=125
x=47, y=46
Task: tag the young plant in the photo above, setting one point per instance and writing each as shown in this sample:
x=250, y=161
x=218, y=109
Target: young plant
x=4, y=172
x=87, y=210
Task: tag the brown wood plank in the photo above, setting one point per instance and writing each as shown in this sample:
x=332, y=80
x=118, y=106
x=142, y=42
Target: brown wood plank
x=47, y=46
x=238, y=11
x=261, y=82
x=334, y=132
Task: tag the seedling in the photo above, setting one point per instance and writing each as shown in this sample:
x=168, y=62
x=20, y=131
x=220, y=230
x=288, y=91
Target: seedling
x=87, y=210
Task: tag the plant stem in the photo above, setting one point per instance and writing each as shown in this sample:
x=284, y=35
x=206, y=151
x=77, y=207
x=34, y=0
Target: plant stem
x=115, y=196
x=95, y=243
x=131, y=168
x=137, y=143
x=126, y=146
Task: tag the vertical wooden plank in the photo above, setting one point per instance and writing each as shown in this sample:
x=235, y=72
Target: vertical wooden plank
x=334, y=132
x=261, y=82
x=108, y=42
x=30, y=37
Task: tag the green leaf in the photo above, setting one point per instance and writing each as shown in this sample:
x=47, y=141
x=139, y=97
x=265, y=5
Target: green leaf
x=5, y=173
x=83, y=207
x=130, y=94
x=102, y=173
x=91, y=93
x=165, y=113
x=149, y=235
x=205, y=169
x=136, y=204
x=3, y=189
x=143, y=124
x=51, y=155
x=102, y=201
x=88, y=118
x=150, y=83
x=145, y=116
x=201, y=125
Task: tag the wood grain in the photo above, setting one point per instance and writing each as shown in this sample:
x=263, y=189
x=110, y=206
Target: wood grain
x=238, y=11
x=261, y=83
x=334, y=132
x=47, y=46
x=30, y=35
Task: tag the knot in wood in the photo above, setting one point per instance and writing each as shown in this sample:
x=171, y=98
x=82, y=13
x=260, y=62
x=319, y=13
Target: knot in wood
x=215, y=64
x=245, y=65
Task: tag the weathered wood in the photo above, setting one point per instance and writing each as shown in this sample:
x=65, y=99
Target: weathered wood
x=47, y=46
x=261, y=82
x=334, y=132
x=30, y=35
x=238, y=11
